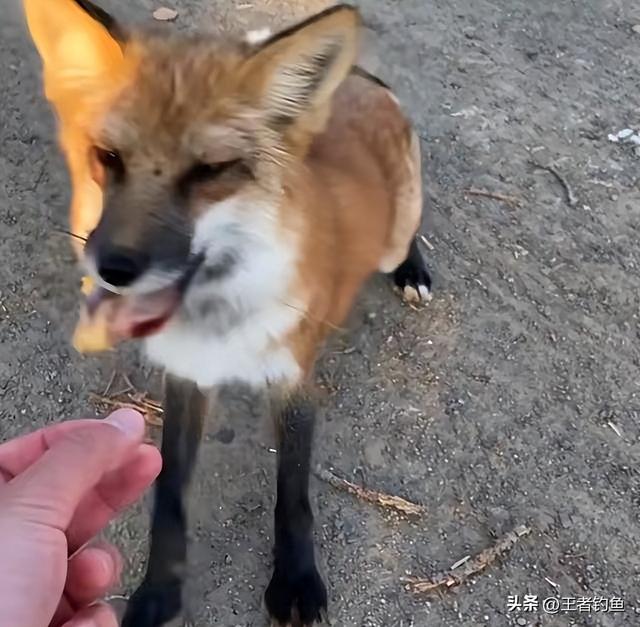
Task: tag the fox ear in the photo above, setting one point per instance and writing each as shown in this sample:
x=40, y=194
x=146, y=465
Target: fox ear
x=297, y=70
x=78, y=42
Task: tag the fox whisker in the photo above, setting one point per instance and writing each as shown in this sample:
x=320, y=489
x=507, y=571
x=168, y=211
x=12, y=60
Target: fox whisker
x=172, y=225
x=62, y=231
x=308, y=316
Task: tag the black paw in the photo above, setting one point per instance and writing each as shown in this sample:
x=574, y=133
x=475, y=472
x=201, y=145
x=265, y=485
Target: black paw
x=412, y=276
x=297, y=600
x=154, y=605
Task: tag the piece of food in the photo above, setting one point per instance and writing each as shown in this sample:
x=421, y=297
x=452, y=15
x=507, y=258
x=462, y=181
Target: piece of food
x=88, y=285
x=92, y=332
x=107, y=318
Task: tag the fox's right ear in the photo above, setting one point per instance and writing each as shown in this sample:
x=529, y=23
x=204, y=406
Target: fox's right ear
x=78, y=41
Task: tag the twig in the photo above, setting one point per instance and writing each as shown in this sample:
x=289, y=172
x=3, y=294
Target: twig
x=553, y=584
x=371, y=496
x=127, y=380
x=572, y=201
x=38, y=179
x=111, y=380
x=460, y=562
x=346, y=351
x=615, y=428
x=119, y=392
x=426, y=242
x=512, y=201
x=152, y=410
x=448, y=579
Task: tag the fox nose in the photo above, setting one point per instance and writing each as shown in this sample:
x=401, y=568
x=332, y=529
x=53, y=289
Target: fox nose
x=120, y=267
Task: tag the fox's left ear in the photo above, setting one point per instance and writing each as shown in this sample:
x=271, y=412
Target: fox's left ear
x=78, y=42
x=298, y=70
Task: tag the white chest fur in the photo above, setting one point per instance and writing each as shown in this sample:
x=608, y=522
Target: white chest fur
x=232, y=329
x=250, y=352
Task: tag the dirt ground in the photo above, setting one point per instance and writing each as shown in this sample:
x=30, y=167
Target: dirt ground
x=511, y=399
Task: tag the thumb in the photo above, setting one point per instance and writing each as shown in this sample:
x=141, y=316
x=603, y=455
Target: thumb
x=49, y=491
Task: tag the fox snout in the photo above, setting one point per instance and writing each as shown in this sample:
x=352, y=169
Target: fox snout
x=120, y=267
x=138, y=236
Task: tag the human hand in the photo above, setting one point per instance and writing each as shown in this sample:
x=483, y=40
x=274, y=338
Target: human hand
x=59, y=487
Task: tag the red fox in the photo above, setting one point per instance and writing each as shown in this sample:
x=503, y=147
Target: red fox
x=230, y=198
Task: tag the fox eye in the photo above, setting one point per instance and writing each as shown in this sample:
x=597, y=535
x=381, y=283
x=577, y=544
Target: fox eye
x=202, y=172
x=110, y=159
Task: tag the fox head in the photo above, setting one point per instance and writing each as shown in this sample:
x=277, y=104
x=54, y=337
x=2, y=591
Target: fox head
x=177, y=145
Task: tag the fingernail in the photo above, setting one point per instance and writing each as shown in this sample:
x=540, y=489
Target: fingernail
x=129, y=421
x=107, y=566
x=111, y=561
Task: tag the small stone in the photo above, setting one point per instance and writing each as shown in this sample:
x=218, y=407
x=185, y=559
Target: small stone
x=227, y=559
x=625, y=133
x=374, y=453
x=521, y=621
x=225, y=435
x=565, y=520
x=636, y=29
x=165, y=14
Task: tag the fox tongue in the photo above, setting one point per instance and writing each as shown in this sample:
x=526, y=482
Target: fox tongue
x=142, y=315
x=108, y=318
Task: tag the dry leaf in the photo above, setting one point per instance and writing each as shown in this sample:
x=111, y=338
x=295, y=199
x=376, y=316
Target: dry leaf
x=165, y=14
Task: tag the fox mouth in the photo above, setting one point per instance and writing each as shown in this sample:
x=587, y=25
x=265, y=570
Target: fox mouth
x=137, y=315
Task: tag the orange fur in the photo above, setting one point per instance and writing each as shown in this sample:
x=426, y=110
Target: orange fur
x=348, y=197
x=83, y=66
